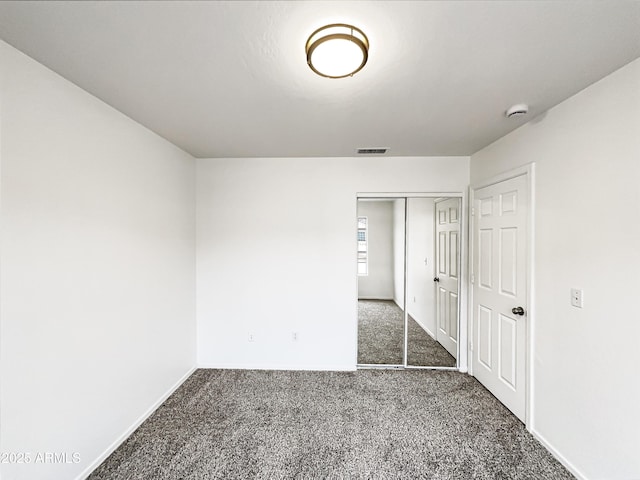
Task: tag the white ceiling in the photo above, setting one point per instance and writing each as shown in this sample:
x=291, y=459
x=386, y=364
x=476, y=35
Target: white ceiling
x=229, y=79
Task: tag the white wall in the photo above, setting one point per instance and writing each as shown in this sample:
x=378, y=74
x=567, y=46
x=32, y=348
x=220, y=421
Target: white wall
x=587, y=373
x=276, y=243
x=378, y=283
x=398, y=250
x=97, y=270
x=420, y=248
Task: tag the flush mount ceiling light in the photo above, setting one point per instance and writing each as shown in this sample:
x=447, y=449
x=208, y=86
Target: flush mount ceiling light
x=337, y=50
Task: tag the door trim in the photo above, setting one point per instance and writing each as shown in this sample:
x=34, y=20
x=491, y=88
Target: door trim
x=528, y=171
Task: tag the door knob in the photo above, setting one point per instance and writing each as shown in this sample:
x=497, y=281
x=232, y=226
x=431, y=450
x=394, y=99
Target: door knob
x=517, y=311
x=436, y=279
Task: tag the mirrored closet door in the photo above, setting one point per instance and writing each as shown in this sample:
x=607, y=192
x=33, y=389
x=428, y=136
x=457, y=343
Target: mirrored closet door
x=381, y=250
x=408, y=263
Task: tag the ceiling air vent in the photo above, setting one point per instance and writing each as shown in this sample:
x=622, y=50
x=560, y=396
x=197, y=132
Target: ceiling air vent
x=371, y=151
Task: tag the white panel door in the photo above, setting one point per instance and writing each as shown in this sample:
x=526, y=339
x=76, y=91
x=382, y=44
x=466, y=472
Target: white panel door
x=447, y=273
x=499, y=279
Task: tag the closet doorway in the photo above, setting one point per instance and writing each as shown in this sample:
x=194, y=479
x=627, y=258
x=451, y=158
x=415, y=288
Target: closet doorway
x=408, y=251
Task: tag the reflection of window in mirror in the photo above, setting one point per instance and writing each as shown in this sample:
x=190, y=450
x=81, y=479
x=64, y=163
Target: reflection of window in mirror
x=362, y=246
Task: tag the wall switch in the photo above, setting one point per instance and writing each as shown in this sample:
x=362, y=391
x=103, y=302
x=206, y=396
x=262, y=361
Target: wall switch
x=251, y=337
x=576, y=297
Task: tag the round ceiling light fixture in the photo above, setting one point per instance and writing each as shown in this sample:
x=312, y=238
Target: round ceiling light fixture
x=337, y=50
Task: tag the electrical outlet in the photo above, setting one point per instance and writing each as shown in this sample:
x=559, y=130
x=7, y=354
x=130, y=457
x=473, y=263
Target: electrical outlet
x=294, y=336
x=576, y=297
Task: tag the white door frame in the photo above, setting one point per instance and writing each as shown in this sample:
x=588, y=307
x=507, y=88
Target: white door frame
x=463, y=294
x=529, y=172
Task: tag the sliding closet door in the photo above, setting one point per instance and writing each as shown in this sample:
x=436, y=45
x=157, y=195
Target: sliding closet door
x=427, y=345
x=381, y=281
x=404, y=246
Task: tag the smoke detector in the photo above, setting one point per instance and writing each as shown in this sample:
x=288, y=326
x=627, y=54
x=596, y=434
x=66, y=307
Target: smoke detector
x=517, y=110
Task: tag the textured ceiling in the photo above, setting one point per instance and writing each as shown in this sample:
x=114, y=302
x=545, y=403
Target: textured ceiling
x=229, y=79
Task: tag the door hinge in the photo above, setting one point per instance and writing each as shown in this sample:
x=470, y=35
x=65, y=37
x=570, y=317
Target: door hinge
x=473, y=278
x=473, y=211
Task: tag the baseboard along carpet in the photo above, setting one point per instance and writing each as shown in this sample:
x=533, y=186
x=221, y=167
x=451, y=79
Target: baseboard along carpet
x=381, y=338
x=369, y=424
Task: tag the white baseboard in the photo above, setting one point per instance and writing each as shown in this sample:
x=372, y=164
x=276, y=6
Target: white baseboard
x=561, y=458
x=422, y=325
x=376, y=298
x=262, y=366
x=111, y=448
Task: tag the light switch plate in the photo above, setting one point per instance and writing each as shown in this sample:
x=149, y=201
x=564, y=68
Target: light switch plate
x=576, y=297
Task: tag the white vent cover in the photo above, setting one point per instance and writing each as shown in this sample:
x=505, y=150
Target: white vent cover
x=371, y=151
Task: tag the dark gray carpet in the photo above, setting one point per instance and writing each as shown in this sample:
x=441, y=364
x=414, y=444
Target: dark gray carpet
x=374, y=424
x=380, y=332
x=423, y=350
x=381, y=338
